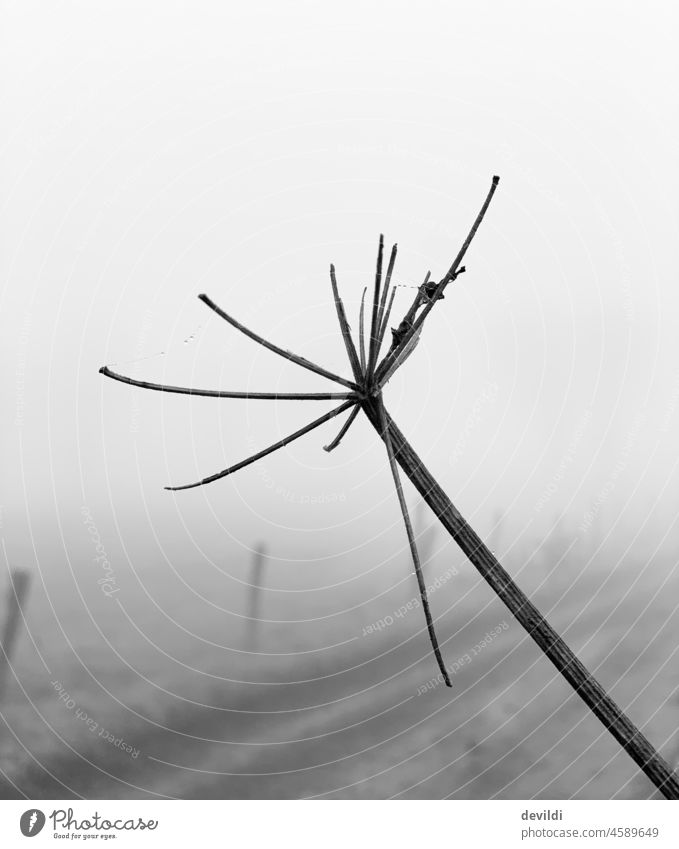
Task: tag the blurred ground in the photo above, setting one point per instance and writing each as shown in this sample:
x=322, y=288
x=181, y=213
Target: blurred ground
x=364, y=719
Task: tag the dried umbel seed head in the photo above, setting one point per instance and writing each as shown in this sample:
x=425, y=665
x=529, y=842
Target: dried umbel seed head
x=365, y=393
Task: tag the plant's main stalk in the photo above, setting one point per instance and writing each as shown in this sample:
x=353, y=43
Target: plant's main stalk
x=529, y=617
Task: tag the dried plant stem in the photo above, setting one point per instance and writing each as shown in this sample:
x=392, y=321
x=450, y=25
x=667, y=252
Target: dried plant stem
x=374, y=328
x=383, y=298
x=346, y=330
x=411, y=540
x=288, y=355
x=345, y=427
x=361, y=332
x=585, y=685
x=311, y=426
x=218, y=393
x=401, y=358
x=450, y=275
x=385, y=320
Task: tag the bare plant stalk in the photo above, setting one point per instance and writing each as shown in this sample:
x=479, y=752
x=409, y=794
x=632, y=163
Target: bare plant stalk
x=288, y=355
x=17, y=594
x=285, y=441
x=345, y=427
x=438, y=292
x=385, y=320
x=385, y=293
x=368, y=396
x=361, y=332
x=344, y=327
x=374, y=329
x=218, y=393
x=551, y=644
x=411, y=540
x=425, y=535
x=400, y=358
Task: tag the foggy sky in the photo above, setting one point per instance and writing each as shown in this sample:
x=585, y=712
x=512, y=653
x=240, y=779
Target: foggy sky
x=152, y=152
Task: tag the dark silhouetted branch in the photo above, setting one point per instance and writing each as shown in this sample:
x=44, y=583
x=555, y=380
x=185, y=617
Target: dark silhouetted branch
x=345, y=427
x=450, y=275
x=385, y=319
x=345, y=329
x=383, y=299
x=283, y=442
x=550, y=643
x=361, y=332
x=411, y=539
x=374, y=327
x=288, y=355
x=219, y=393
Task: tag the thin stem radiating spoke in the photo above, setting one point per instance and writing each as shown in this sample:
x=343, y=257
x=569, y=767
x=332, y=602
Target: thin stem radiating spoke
x=401, y=358
x=383, y=299
x=219, y=393
x=345, y=427
x=346, y=330
x=280, y=444
x=450, y=275
x=361, y=331
x=411, y=540
x=288, y=355
x=385, y=320
x=372, y=351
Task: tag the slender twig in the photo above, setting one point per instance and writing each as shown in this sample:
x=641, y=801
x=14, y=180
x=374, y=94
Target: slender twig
x=280, y=444
x=550, y=643
x=450, y=275
x=407, y=321
x=385, y=319
x=372, y=351
x=411, y=539
x=345, y=427
x=288, y=355
x=401, y=358
x=383, y=299
x=361, y=331
x=219, y=393
x=346, y=330
x=426, y=535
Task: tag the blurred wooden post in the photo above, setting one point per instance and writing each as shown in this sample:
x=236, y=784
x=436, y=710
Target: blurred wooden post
x=256, y=571
x=17, y=594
